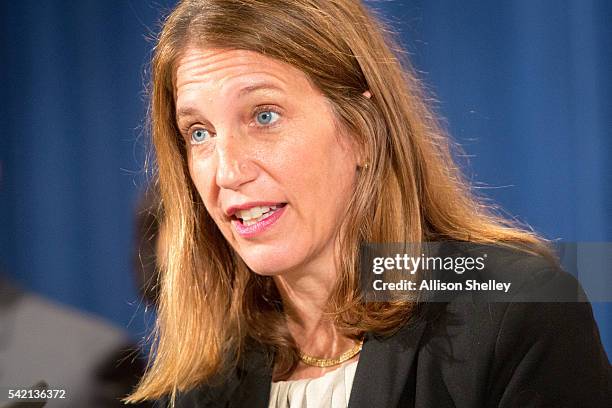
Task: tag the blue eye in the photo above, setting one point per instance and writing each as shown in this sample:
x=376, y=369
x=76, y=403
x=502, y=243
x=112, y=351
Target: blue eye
x=199, y=136
x=267, y=117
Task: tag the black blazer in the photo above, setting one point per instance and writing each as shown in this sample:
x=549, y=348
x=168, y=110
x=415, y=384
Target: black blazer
x=463, y=353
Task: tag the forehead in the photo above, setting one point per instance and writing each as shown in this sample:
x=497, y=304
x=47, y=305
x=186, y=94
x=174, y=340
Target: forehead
x=223, y=71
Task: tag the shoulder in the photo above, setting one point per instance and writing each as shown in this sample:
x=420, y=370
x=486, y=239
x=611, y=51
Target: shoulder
x=542, y=300
x=539, y=344
x=66, y=348
x=512, y=282
x=35, y=314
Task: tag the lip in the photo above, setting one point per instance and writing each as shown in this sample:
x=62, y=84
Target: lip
x=259, y=227
x=245, y=206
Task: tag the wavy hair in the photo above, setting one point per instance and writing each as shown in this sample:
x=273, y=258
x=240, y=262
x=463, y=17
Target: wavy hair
x=210, y=304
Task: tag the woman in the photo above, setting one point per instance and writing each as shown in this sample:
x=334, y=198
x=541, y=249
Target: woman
x=287, y=133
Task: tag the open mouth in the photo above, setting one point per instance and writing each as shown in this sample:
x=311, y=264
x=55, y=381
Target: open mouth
x=254, y=215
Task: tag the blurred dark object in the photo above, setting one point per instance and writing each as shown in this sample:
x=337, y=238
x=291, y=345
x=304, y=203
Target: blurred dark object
x=41, y=385
x=117, y=375
x=148, y=244
x=94, y=362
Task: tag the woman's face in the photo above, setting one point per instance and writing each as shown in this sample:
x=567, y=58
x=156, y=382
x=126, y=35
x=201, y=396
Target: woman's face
x=273, y=171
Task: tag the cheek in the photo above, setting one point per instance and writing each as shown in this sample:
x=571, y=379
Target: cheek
x=201, y=176
x=311, y=154
x=322, y=176
x=203, y=179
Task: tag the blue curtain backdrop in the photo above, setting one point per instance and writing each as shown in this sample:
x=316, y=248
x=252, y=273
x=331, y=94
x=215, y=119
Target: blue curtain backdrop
x=524, y=87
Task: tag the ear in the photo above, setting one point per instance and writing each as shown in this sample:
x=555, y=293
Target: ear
x=367, y=94
x=358, y=154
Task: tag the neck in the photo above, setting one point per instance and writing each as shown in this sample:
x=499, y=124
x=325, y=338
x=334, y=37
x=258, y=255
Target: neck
x=305, y=296
x=305, y=293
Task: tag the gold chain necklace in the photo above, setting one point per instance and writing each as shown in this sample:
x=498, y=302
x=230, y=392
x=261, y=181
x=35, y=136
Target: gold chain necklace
x=329, y=362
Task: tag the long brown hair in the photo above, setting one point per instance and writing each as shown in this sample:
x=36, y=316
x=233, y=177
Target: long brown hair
x=210, y=302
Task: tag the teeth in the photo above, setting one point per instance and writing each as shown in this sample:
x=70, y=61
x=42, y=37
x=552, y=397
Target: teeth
x=255, y=214
x=252, y=213
x=257, y=211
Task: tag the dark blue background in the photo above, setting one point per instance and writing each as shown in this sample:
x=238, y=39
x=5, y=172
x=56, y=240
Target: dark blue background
x=524, y=87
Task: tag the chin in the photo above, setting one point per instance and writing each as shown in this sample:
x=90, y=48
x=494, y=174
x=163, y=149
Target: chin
x=268, y=260
x=266, y=267
x=269, y=263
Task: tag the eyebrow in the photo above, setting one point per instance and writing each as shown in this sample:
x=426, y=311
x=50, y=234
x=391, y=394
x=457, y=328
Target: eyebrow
x=191, y=111
x=186, y=111
x=256, y=87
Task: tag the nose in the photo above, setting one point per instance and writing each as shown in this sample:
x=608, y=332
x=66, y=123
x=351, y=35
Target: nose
x=234, y=165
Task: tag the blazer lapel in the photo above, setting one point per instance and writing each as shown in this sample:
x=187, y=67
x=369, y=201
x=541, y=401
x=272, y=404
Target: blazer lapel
x=381, y=376
x=384, y=366
x=255, y=383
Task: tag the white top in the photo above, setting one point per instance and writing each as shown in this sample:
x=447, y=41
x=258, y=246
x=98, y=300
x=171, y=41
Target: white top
x=331, y=390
